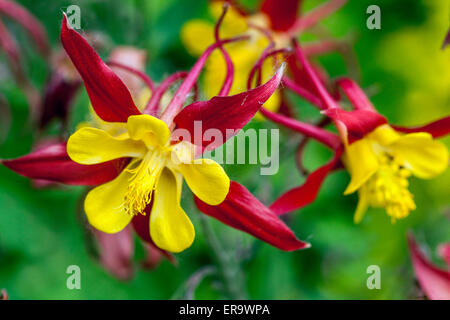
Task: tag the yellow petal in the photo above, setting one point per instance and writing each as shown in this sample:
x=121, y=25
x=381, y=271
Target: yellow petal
x=143, y=98
x=91, y=146
x=385, y=135
x=418, y=152
x=361, y=162
x=362, y=204
x=182, y=152
x=207, y=180
x=104, y=205
x=170, y=227
x=272, y=104
x=179, y=178
x=197, y=35
x=149, y=129
x=113, y=128
x=234, y=22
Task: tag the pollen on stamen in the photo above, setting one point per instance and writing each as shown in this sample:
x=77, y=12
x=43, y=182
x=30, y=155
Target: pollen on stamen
x=142, y=183
x=389, y=189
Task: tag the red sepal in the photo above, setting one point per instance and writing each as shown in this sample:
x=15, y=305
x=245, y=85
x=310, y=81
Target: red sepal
x=305, y=194
x=435, y=282
x=52, y=163
x=242, y=211
x=356, y=123
x=355, y=94
x=225, y=113
x=436, y=128
x=109, y=96
x=141, y=224
x=282, y=14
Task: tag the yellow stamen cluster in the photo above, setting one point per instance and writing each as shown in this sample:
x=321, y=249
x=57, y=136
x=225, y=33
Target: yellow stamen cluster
x=388, y=188
x=145, y=174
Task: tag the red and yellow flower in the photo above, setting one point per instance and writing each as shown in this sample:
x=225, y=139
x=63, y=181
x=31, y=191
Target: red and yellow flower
x=379, y=157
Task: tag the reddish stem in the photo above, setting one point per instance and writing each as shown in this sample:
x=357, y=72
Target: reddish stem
x=19, y=14
x=314, y=16
x=228, y=82
x=153, y=104
x=321, y=47
x=327, y=138
x=179, y=98
x=259, y=63
x=326, y=98
x=301, y=147
x=302, y=92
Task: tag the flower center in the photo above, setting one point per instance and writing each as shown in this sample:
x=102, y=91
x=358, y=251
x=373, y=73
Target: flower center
x=388, y=188
x=145, y=174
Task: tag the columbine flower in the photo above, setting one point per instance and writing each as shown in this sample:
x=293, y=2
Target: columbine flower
x=140, y=169
x=379, y=159
x=434, y=281
x=381, y=163
x=272, y=26
x=153, y=168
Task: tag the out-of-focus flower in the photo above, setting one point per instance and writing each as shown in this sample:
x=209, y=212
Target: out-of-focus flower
x=52, y=101
x=378, y=158
x=270, y=28
x=381, y=163
x=20, y=15
x=59, y=91
x=4, y=295
x=434, y=281
x=116, y=253
x=147, y=156
x=131, y=58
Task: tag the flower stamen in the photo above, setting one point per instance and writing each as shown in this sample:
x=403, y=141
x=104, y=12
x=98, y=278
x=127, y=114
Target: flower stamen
x=388, y=188
x=145, y=174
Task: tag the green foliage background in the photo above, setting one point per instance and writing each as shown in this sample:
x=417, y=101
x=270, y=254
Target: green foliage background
x=41, y=234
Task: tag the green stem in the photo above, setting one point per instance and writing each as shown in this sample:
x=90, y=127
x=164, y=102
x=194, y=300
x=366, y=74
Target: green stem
x=229, y=267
